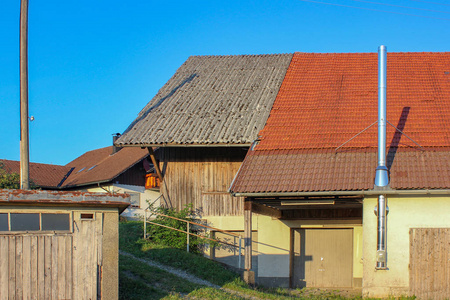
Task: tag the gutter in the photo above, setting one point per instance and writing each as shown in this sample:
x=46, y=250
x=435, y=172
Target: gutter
x=373, y=192
x=185, y=145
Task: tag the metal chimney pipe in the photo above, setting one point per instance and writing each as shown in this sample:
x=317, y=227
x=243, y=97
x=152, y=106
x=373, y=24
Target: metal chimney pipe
x=381, y=173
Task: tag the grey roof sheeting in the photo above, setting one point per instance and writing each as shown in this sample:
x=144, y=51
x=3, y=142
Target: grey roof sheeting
x=211, y=100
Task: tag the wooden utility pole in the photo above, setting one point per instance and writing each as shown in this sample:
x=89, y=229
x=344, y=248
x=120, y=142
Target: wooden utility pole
x=24, y=147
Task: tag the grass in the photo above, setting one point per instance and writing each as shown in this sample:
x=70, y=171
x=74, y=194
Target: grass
x=140, y=281
x=130, y=240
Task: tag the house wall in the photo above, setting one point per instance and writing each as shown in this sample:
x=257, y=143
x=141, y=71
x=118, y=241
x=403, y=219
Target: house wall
x=274, y=244
x=146, y=197
x=201, y=176
x=405, y=212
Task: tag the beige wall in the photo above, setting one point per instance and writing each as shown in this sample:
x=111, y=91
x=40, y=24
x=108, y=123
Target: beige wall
x=405, y=212
x=274, y=242
x=147, y=197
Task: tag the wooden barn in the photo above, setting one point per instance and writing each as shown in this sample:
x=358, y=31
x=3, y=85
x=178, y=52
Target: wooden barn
x=201, y=124
x=59, y=245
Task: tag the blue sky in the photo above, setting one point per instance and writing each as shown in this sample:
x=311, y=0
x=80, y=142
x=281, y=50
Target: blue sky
x=93, y=65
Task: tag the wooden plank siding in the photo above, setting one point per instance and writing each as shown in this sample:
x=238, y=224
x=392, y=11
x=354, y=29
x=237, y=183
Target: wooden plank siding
x=53, y=265
x=31, y=266
x=429, y=272
x=201, y=176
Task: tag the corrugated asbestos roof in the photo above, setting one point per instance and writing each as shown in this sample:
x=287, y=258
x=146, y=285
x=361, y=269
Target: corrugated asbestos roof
x=211, y=100
x=326, y=99
x=43, y=175
x=101, y=165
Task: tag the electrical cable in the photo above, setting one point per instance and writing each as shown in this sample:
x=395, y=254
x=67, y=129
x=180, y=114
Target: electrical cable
x=373, y=9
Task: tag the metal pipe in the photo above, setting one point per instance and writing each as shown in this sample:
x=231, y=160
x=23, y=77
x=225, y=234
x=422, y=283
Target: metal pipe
x=187, y=233
x=381, y=173
x=145, y=224
x=381, y=232
x=240, y=251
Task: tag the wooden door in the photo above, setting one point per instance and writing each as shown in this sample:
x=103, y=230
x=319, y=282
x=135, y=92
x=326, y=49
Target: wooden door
x=429, y=262
x=40, y=264
x=323, y=258
x=87, y=255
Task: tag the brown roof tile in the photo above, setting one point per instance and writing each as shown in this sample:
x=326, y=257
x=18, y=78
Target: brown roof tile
x=101, y=165
x=314, y=170
x=43, y=175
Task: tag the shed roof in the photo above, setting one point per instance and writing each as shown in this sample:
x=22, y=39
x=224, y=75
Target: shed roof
x=327, y=99
x=59, y=198
x=211, y=100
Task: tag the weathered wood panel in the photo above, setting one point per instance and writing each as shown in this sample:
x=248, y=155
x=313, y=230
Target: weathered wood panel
x=202, y=176
x=429, y=274
x=31, y=266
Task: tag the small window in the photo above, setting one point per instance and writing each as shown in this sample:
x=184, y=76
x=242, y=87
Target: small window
x=4, y=226
x=24, y=222
x=85, y=216
x=55, y=222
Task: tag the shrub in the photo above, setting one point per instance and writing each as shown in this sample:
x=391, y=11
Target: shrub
x=173, y=238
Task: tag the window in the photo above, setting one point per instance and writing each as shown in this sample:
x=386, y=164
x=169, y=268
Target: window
x=34, y=222
x=24, y=222
x=4, y=226
x=55, y=221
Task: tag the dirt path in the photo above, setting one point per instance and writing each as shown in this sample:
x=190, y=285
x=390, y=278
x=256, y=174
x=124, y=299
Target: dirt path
x=185, y=275
x=176, y=272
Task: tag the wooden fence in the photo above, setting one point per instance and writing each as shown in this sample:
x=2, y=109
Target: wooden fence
x=429, y=263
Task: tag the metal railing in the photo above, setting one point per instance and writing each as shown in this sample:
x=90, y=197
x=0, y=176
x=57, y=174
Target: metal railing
x=188, y=233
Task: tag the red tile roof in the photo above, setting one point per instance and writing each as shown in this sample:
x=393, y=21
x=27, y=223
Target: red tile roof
x=326, y=99
x=43, y=175
x=95, y=166
x=101, y=165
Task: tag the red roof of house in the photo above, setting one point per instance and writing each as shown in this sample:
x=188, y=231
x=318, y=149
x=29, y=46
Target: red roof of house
x=101, y=165
x=43, y=175
x=327, y=99
x=95, y=166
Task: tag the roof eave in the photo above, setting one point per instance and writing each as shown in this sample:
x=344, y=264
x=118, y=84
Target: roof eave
x=186, y=145
x=347, y=193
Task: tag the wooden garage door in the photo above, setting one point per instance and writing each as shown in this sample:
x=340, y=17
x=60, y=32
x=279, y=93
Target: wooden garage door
x=40, y=266
x=323, y=258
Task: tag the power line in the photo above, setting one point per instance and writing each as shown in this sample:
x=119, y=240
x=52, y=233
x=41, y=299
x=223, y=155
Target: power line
x=373, y=9
x=386, y=4
x=436, y=3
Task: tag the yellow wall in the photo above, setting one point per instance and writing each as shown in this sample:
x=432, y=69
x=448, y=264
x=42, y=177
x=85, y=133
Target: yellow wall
x=405, y=212
x=147, y=197
x=274, y=241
